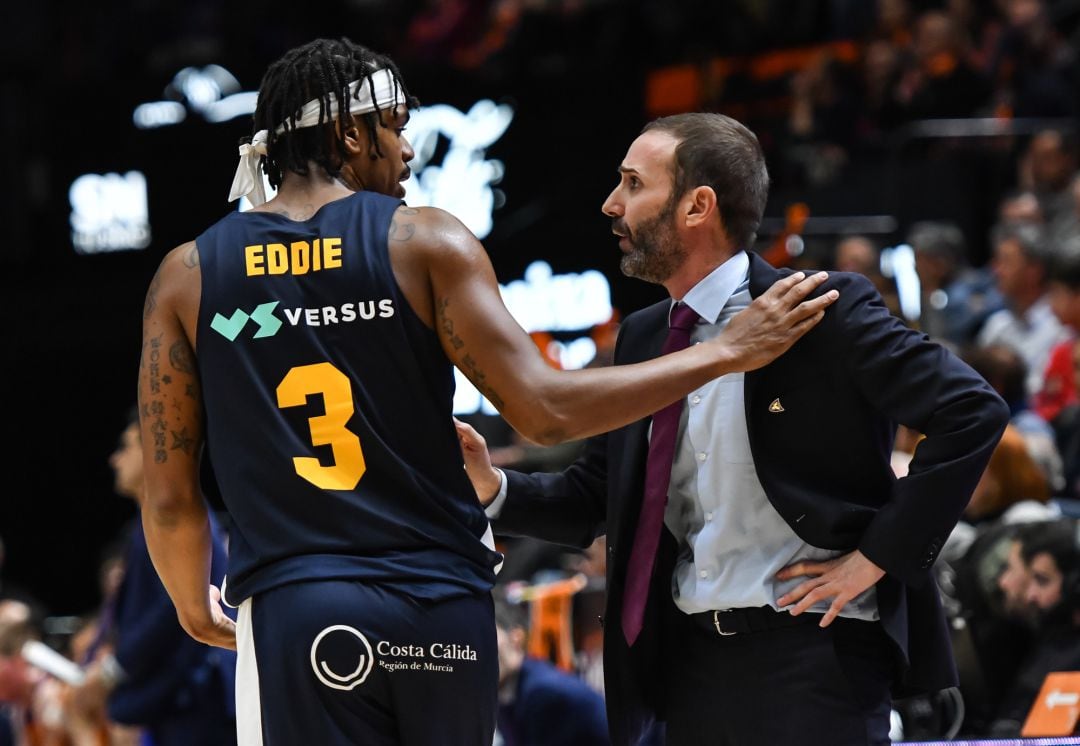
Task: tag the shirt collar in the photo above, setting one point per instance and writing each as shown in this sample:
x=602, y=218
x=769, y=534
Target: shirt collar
x=713, y=291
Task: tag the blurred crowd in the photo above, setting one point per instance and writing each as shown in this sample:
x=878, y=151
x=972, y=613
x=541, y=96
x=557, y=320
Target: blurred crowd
x=1008, y=59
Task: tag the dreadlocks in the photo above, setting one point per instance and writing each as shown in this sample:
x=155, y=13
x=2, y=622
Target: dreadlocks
x=317, y=70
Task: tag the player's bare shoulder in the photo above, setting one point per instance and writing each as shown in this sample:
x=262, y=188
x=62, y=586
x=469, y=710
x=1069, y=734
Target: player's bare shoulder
x=431, y=229
x=427, y=245
x=176, y=286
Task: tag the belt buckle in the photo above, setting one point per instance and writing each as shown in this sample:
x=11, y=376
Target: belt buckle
x=716, y=621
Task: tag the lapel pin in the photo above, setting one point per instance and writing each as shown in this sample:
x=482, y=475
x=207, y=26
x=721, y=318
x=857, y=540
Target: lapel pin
x=776, y=406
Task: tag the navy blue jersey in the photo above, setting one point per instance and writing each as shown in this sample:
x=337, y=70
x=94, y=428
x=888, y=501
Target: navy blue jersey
x=329, y=410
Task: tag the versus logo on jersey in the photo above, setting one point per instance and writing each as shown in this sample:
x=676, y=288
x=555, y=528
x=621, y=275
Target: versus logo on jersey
x=263, y=315
x=346, y=313
x=349, y=650
x=269, y=324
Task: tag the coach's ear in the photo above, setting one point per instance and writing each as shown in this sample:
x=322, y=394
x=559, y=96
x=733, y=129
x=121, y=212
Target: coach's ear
x=698, y=206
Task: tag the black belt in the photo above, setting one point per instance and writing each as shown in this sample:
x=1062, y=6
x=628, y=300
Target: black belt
x=728, y=622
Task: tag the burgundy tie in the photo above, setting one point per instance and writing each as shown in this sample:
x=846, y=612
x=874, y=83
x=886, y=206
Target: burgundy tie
x=665, y=428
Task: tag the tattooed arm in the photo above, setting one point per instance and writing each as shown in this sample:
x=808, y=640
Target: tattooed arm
x=174, y=513
x=448, y=279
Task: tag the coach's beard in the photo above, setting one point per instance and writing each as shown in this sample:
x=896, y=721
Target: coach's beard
x=655, y=252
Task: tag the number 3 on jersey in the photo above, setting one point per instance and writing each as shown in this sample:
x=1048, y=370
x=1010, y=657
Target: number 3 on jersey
x=327, y=429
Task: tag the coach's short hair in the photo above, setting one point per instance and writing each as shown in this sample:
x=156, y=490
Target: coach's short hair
x=718, y=152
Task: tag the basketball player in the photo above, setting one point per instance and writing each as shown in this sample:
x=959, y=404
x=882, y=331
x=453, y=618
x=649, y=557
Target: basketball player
x=325, y=323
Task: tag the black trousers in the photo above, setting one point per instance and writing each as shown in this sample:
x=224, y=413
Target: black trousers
x=790, y=686
x=342, y=663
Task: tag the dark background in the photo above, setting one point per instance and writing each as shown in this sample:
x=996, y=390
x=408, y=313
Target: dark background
x=72, y=73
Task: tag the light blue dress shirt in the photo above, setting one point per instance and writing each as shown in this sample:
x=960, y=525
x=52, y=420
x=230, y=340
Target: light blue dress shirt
x=732, y=542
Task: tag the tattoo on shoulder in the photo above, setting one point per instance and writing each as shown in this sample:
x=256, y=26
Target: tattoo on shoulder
x=191, y=257
x=151, y=294
x=401, y=230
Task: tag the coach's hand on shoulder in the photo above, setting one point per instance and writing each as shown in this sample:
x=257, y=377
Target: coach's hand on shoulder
x=217, y=629
x=775, y=320
x=484, y=477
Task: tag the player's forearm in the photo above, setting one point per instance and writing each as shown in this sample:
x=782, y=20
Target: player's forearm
x=180, y=542
x=578, y=404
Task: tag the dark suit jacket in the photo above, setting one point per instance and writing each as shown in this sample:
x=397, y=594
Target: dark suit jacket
x=553, y=708
x=824, y=465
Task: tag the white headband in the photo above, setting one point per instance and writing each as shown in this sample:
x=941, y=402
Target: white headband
x=248, y=179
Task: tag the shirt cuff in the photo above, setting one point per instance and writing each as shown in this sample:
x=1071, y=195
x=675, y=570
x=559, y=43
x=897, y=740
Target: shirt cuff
x=493, y=510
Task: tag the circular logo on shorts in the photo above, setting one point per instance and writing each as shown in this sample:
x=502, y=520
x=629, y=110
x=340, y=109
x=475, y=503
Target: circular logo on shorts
x=338, y=649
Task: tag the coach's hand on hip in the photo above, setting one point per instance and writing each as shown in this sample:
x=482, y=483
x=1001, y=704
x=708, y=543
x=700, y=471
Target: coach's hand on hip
x=840, y=579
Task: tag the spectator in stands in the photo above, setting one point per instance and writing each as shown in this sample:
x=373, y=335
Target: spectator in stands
x=1011, y=477
x=860, y=254
x=1021, y=207
x=539, y=705
x=940, y=83
x=821, y=120
x=1004, y=369
x=1051, y=555
x=1064, y=231
x=980, y=28
x=1067, y=428
x=1047, y=169
x=1034, y=69
x=956, y=299
x=1014, y=580
x=1058, y=401
x=880, y=69
x=984, y=586
x=894, y=22
x=34, y=708
x=157, y=676
x=18, y=679
x=1021, y=261
x=1063, y=291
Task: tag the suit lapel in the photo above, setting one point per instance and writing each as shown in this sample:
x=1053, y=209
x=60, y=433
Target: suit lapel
x=762, y=277
x=643, y=341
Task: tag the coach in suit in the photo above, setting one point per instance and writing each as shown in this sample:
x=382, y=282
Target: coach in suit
x=787, y=594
